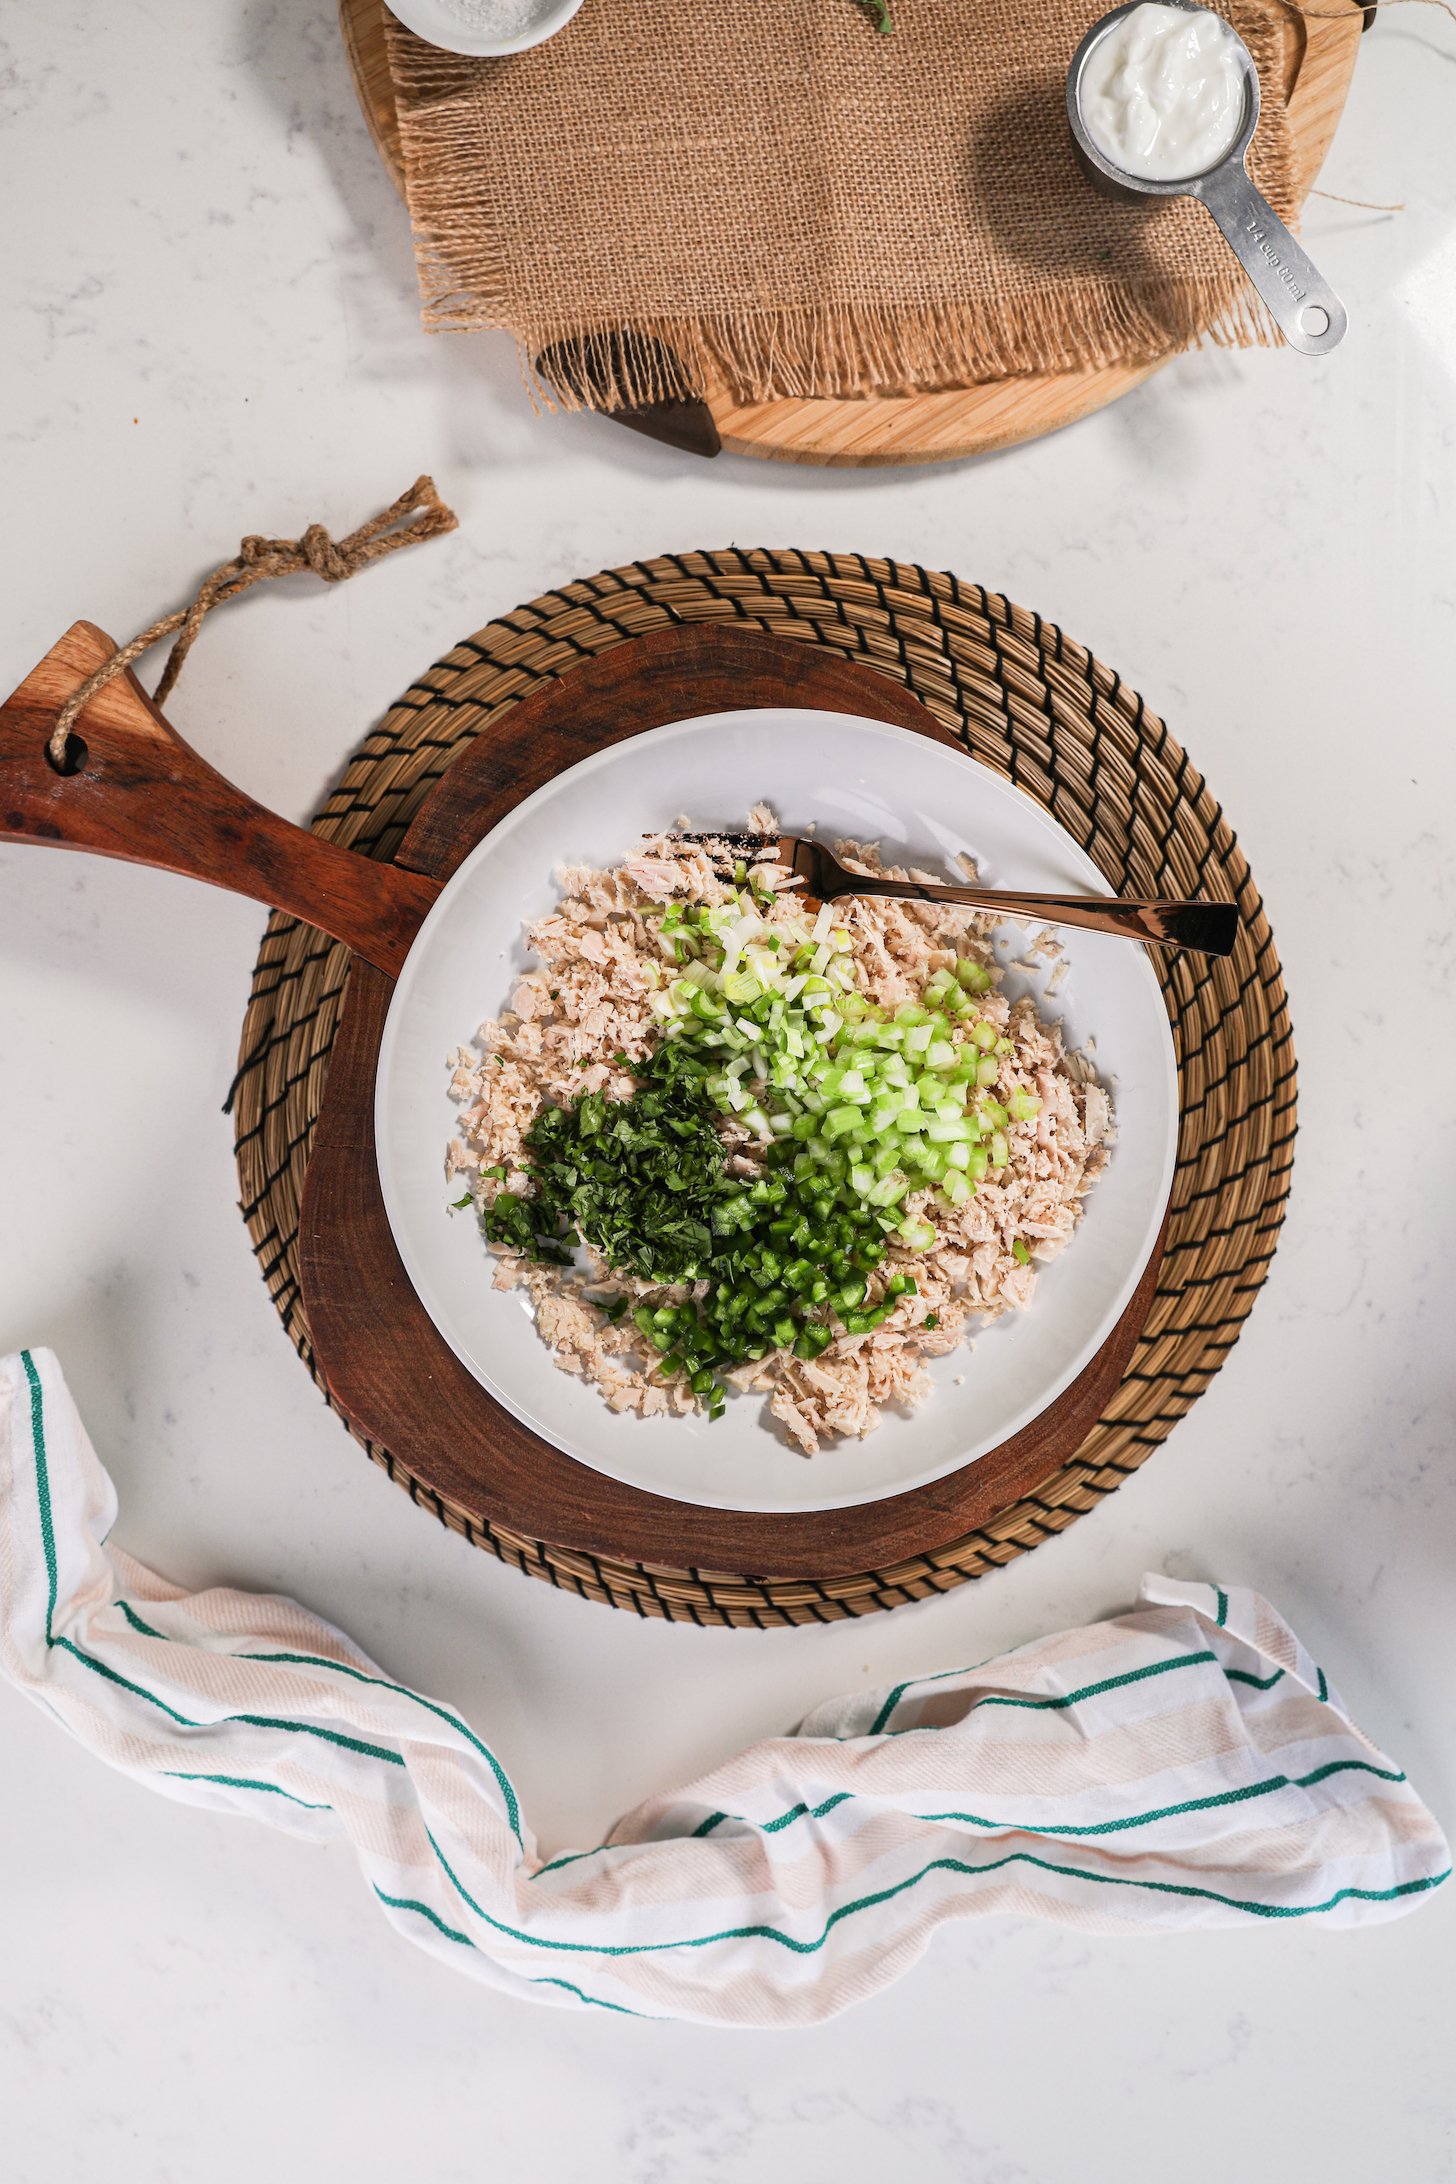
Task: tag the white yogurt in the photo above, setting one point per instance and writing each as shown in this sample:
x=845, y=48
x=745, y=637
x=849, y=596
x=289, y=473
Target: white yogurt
x=1162, y=93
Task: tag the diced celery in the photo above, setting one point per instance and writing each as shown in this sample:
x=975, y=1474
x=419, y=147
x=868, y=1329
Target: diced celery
x=940, y=1054
x=917, y=1234
x=983, y=1035
x=987, y=1071
x=973, y=976
x=1023, y=1105
x=1000, y=1150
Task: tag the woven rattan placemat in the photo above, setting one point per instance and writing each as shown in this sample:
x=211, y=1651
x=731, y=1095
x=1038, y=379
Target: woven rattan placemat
x=1038, y=708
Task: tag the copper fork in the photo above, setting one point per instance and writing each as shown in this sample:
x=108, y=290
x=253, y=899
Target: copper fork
x=1204, y=928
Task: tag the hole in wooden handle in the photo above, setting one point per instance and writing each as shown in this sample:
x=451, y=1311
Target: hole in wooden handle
x=76, y=754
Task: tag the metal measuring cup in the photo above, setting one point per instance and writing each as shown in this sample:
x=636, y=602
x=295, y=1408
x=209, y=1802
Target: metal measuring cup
x=1306, y=309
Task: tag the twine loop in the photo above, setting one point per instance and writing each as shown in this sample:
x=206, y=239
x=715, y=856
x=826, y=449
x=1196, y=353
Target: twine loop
x=418, y=514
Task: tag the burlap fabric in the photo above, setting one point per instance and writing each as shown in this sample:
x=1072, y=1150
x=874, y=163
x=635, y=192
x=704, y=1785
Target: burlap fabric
x=794, y=205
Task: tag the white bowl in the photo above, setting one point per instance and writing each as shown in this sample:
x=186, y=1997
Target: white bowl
x=439, y=25
x=925, y=803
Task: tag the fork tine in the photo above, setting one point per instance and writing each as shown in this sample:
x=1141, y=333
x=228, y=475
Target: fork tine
x=711, y=838
x=726, y=846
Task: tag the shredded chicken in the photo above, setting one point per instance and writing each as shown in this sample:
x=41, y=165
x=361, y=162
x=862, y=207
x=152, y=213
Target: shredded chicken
x=578, y=1021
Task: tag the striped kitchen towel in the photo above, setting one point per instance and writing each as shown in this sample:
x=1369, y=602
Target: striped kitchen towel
x=1186, y=1764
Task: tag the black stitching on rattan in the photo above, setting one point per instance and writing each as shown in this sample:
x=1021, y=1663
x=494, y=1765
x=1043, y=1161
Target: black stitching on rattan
x=270, y=1107
x=1239, y=1288
x=1254, y=1105
x=1235, y=1176
x=1192, y=1372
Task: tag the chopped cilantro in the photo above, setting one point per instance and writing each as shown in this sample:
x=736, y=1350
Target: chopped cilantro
x=639, y=1178
x=644, y=1181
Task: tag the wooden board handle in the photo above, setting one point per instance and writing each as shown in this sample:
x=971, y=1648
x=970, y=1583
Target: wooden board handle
x=139, y=792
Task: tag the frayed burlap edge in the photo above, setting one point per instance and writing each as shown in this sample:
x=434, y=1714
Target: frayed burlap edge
x=829, y=350
x=822, y=354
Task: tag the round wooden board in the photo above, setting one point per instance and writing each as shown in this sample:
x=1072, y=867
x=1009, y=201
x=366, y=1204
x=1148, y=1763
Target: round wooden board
x=386, y=1365
x=956, y=422
x=1023, y=698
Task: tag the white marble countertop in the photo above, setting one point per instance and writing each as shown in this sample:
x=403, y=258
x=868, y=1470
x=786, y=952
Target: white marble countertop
x=211, y=329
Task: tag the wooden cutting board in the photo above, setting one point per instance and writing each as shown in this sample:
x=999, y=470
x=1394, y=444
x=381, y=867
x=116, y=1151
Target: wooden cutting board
x=916, y=428
x=137, y=791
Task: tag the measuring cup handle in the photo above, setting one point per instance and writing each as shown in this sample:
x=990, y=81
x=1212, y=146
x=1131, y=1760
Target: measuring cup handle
x=137, y=791
x=1306, y=309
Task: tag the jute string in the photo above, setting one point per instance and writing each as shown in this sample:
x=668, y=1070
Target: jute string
x=417, y=515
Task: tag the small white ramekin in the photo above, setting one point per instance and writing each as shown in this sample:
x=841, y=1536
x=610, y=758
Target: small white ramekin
x=440, y=26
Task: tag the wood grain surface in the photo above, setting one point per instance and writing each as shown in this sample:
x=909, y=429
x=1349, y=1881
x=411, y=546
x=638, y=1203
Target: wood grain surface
x=952, y=423
x=140, y=793
x=383, y=1361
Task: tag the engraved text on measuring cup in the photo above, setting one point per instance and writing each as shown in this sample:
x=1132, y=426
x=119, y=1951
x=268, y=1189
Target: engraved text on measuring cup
x=1257, y=234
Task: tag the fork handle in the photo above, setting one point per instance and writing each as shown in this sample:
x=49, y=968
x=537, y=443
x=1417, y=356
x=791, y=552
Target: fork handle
x=1208, y=928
